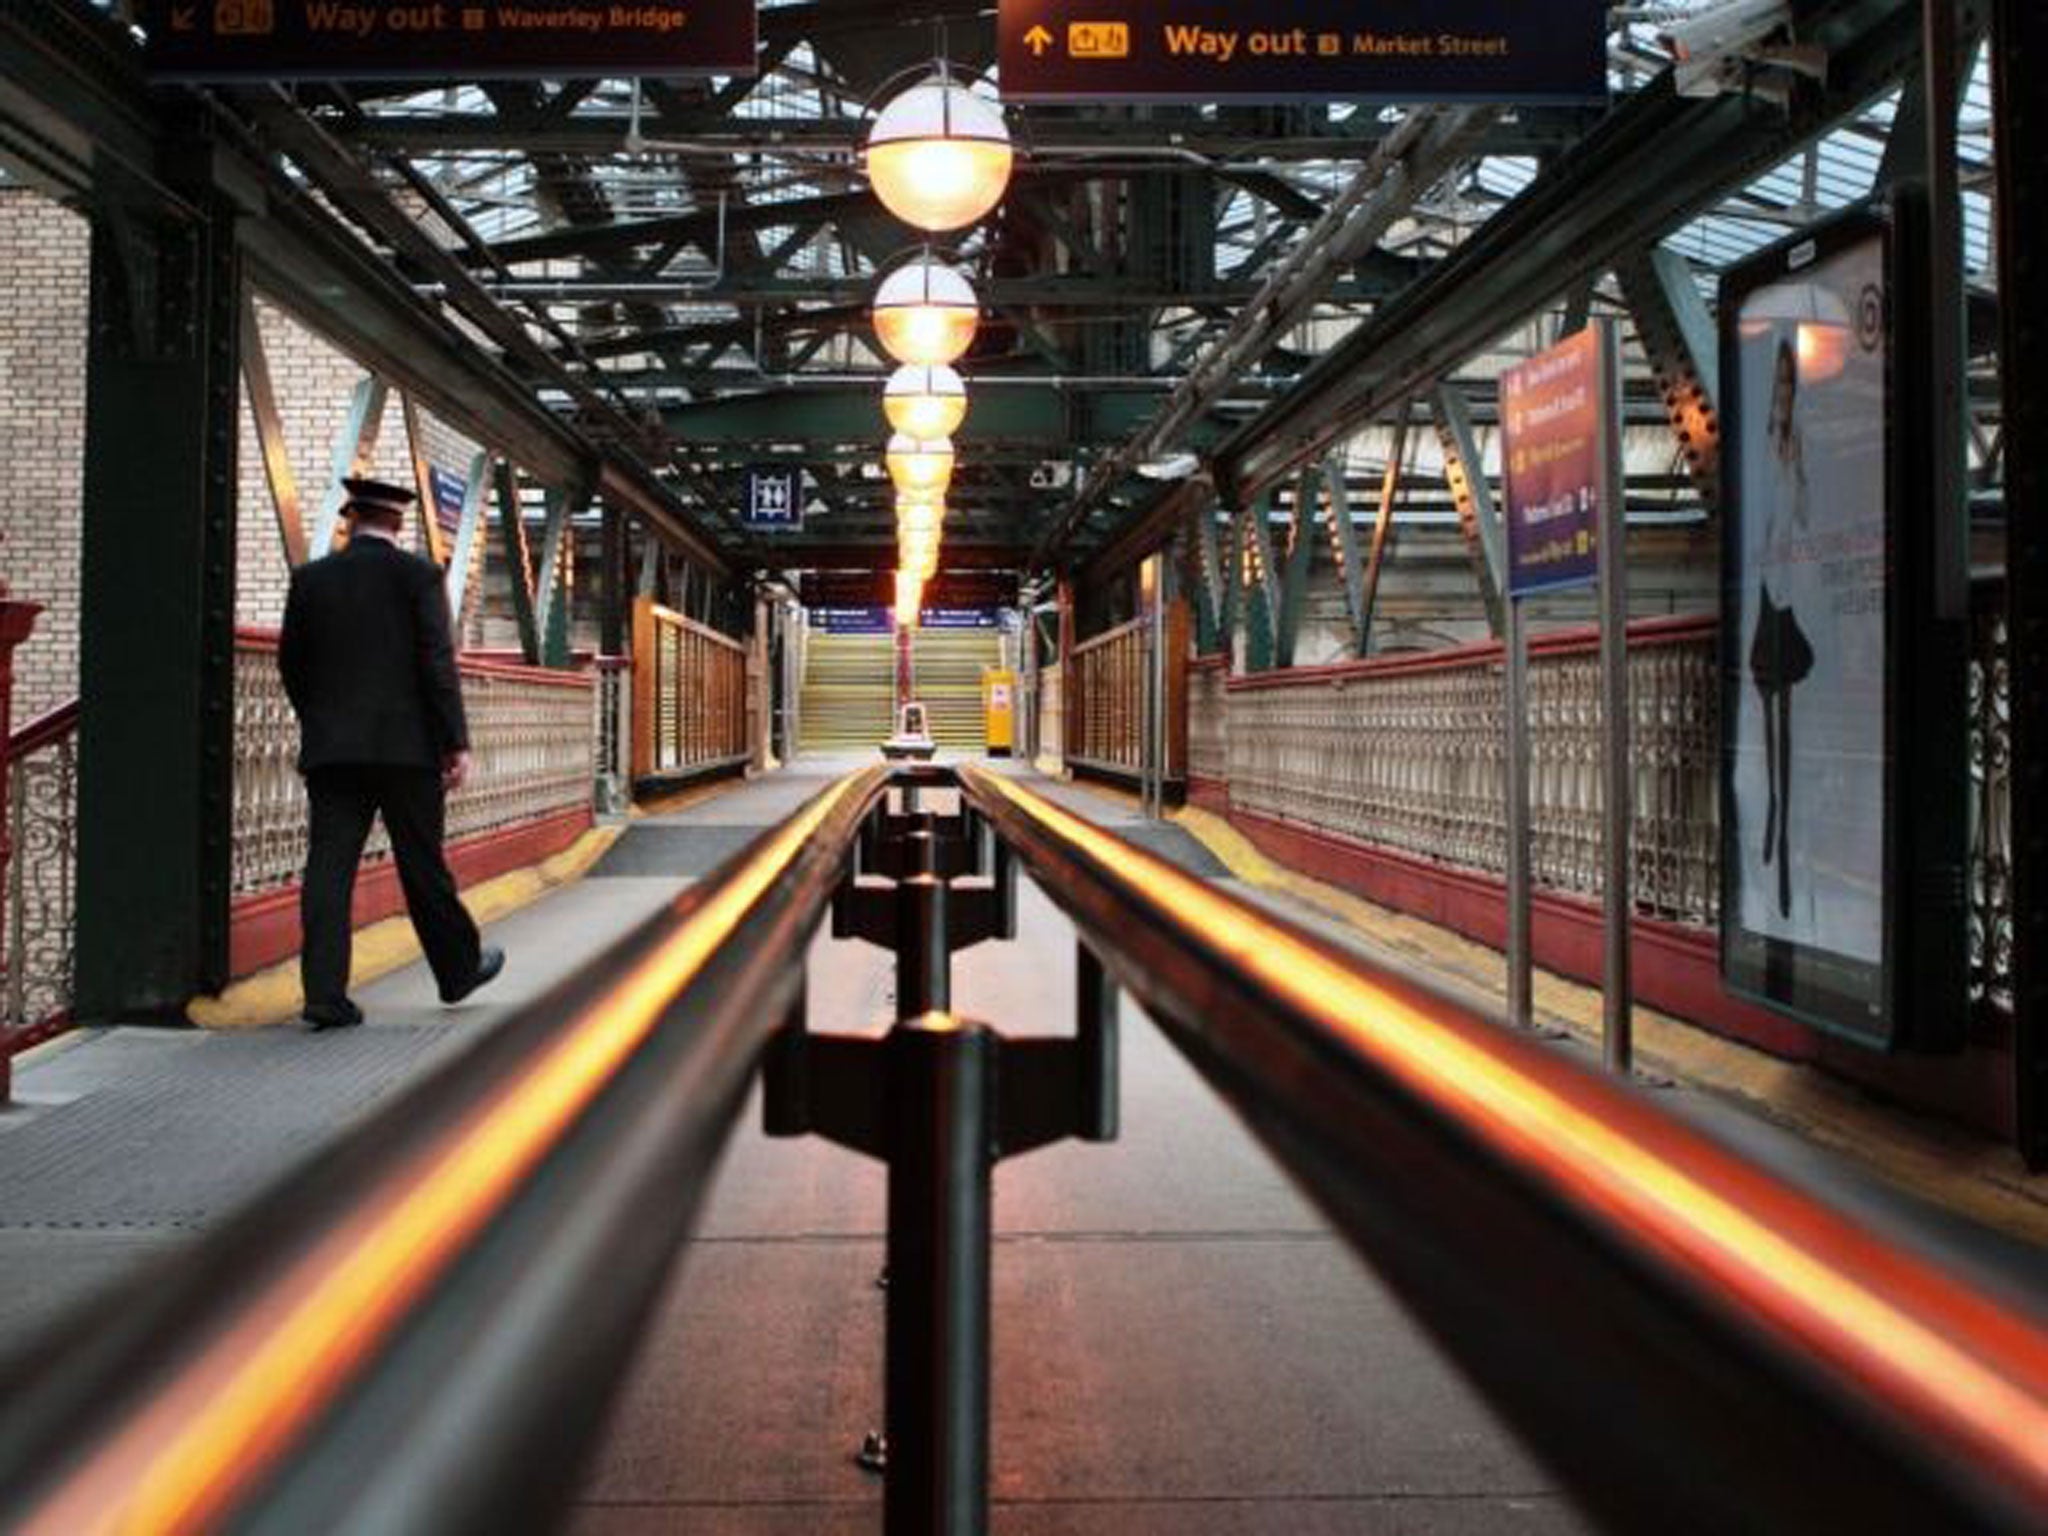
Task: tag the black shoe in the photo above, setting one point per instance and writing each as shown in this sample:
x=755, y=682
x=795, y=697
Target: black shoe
x=489, y=961
x=332, y=1015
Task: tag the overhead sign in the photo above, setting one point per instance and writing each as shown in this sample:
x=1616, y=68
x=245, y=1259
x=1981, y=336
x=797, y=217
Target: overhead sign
x=445, y=39
x=774, y=499
x=1303, y=50
x=1550, y=409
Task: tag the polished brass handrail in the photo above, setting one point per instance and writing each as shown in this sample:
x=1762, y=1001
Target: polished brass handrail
x=1692, y=1341
x=505, y=1222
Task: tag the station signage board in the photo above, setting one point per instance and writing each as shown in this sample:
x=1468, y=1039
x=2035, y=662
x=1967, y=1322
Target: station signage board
x=450, y=496
x=230, y=40
x=1551, y=412
x=1402, y=51
x=774, y=499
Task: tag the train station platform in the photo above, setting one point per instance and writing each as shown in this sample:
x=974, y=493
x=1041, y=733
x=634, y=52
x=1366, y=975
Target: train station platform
x=1181, y=1341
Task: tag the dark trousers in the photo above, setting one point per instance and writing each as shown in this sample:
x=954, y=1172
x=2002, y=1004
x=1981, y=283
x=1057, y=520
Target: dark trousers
x=411, y=801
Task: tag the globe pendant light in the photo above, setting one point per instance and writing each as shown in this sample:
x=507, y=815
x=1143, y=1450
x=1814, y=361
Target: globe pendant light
x=917, y=552
x=919, y=516
x=925, y=313
x=939, y=156
x=919, y=465
x=925, y=400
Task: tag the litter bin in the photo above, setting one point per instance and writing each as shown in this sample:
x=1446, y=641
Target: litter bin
x=999, y=711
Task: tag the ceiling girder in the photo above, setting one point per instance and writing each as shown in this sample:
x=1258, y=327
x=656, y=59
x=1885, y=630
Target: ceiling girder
x=1654, y=160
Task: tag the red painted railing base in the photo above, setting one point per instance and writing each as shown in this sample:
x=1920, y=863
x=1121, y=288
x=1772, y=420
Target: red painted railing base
x=1676, y=967
x=264, y=928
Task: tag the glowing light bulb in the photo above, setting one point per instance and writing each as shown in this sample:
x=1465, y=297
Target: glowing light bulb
x=939, y=156
x=925, y=400
x=925, y=313
x=919, y=466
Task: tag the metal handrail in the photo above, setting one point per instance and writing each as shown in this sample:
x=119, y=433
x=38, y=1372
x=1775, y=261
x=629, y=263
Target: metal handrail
x=1690, y=1341
x=396, y=1304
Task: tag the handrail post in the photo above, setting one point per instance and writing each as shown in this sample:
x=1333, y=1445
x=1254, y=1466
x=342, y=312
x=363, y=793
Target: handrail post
x=1095, y=1021
x=941, y=1080
x=940, y=1100
x=924, y=958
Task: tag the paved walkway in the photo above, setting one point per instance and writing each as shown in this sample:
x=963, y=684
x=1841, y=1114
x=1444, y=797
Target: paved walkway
x=1181, y=1345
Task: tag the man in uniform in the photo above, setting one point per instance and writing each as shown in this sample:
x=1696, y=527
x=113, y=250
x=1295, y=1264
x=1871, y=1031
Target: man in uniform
x=369, y=664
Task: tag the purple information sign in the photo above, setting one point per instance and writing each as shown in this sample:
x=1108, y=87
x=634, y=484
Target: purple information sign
x=1550, y=412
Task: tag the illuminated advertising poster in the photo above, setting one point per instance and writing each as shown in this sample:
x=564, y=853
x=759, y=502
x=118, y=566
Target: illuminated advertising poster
x=1806, y=760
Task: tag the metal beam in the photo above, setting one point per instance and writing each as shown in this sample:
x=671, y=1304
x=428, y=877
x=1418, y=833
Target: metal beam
x=1261, y=585
x=1301, y=536
x=1404, y=165
x=1344, y=547
x=355, y=450
x=1655, y=160
x=1677, y=333
x=277, y=458
x=1383, y=530
x=518, y=562
x=75, y=106
x=476, y=491
x=1465, y=468
x=156, y=653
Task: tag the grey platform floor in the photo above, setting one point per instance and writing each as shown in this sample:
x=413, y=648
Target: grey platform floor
x=1181, y=1346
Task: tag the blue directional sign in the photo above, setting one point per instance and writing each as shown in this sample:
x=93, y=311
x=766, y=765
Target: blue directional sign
x=774, y=499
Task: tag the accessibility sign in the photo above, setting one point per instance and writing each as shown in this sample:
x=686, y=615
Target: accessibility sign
x=1402, y=51
x=228, y=40
x=774, y=499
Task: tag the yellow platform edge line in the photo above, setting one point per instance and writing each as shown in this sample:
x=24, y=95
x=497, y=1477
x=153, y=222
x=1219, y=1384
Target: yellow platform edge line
x=1948, y=1165
x=272, y=995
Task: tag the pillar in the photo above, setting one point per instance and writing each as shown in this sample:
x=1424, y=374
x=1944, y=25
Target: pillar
x=157, y=631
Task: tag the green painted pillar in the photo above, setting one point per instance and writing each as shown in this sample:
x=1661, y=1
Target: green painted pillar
x=157, y=626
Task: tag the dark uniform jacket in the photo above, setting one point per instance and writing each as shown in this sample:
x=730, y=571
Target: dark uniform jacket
x=368, y=660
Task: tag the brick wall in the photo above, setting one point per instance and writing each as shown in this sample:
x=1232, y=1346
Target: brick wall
x=45, y=252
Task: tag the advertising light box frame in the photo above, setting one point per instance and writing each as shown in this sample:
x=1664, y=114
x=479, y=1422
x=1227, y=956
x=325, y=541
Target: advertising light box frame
x=1859, y=929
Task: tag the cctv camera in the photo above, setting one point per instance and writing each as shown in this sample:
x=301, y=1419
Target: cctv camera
x=1725, y=28
x=1741, y=45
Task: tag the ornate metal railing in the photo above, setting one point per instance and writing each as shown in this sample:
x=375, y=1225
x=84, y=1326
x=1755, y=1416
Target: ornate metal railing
x=42, y=834
x=1209, y=718
x=532, y=736
x=1106, y=698
x=689, y=695
x=1990, y=808
x=1406, y=753
x=1052, y=713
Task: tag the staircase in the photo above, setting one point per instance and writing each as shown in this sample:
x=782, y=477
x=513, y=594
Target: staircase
x=849, y=691
x=849, y=687
x=948, y=665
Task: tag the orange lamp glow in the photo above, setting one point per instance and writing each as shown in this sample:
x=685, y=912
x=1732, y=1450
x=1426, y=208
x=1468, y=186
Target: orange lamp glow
x=920, y=468
x=925, y=400
x=909, y=598
x=939, y=156
x=925, y=313
x=920, y=517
